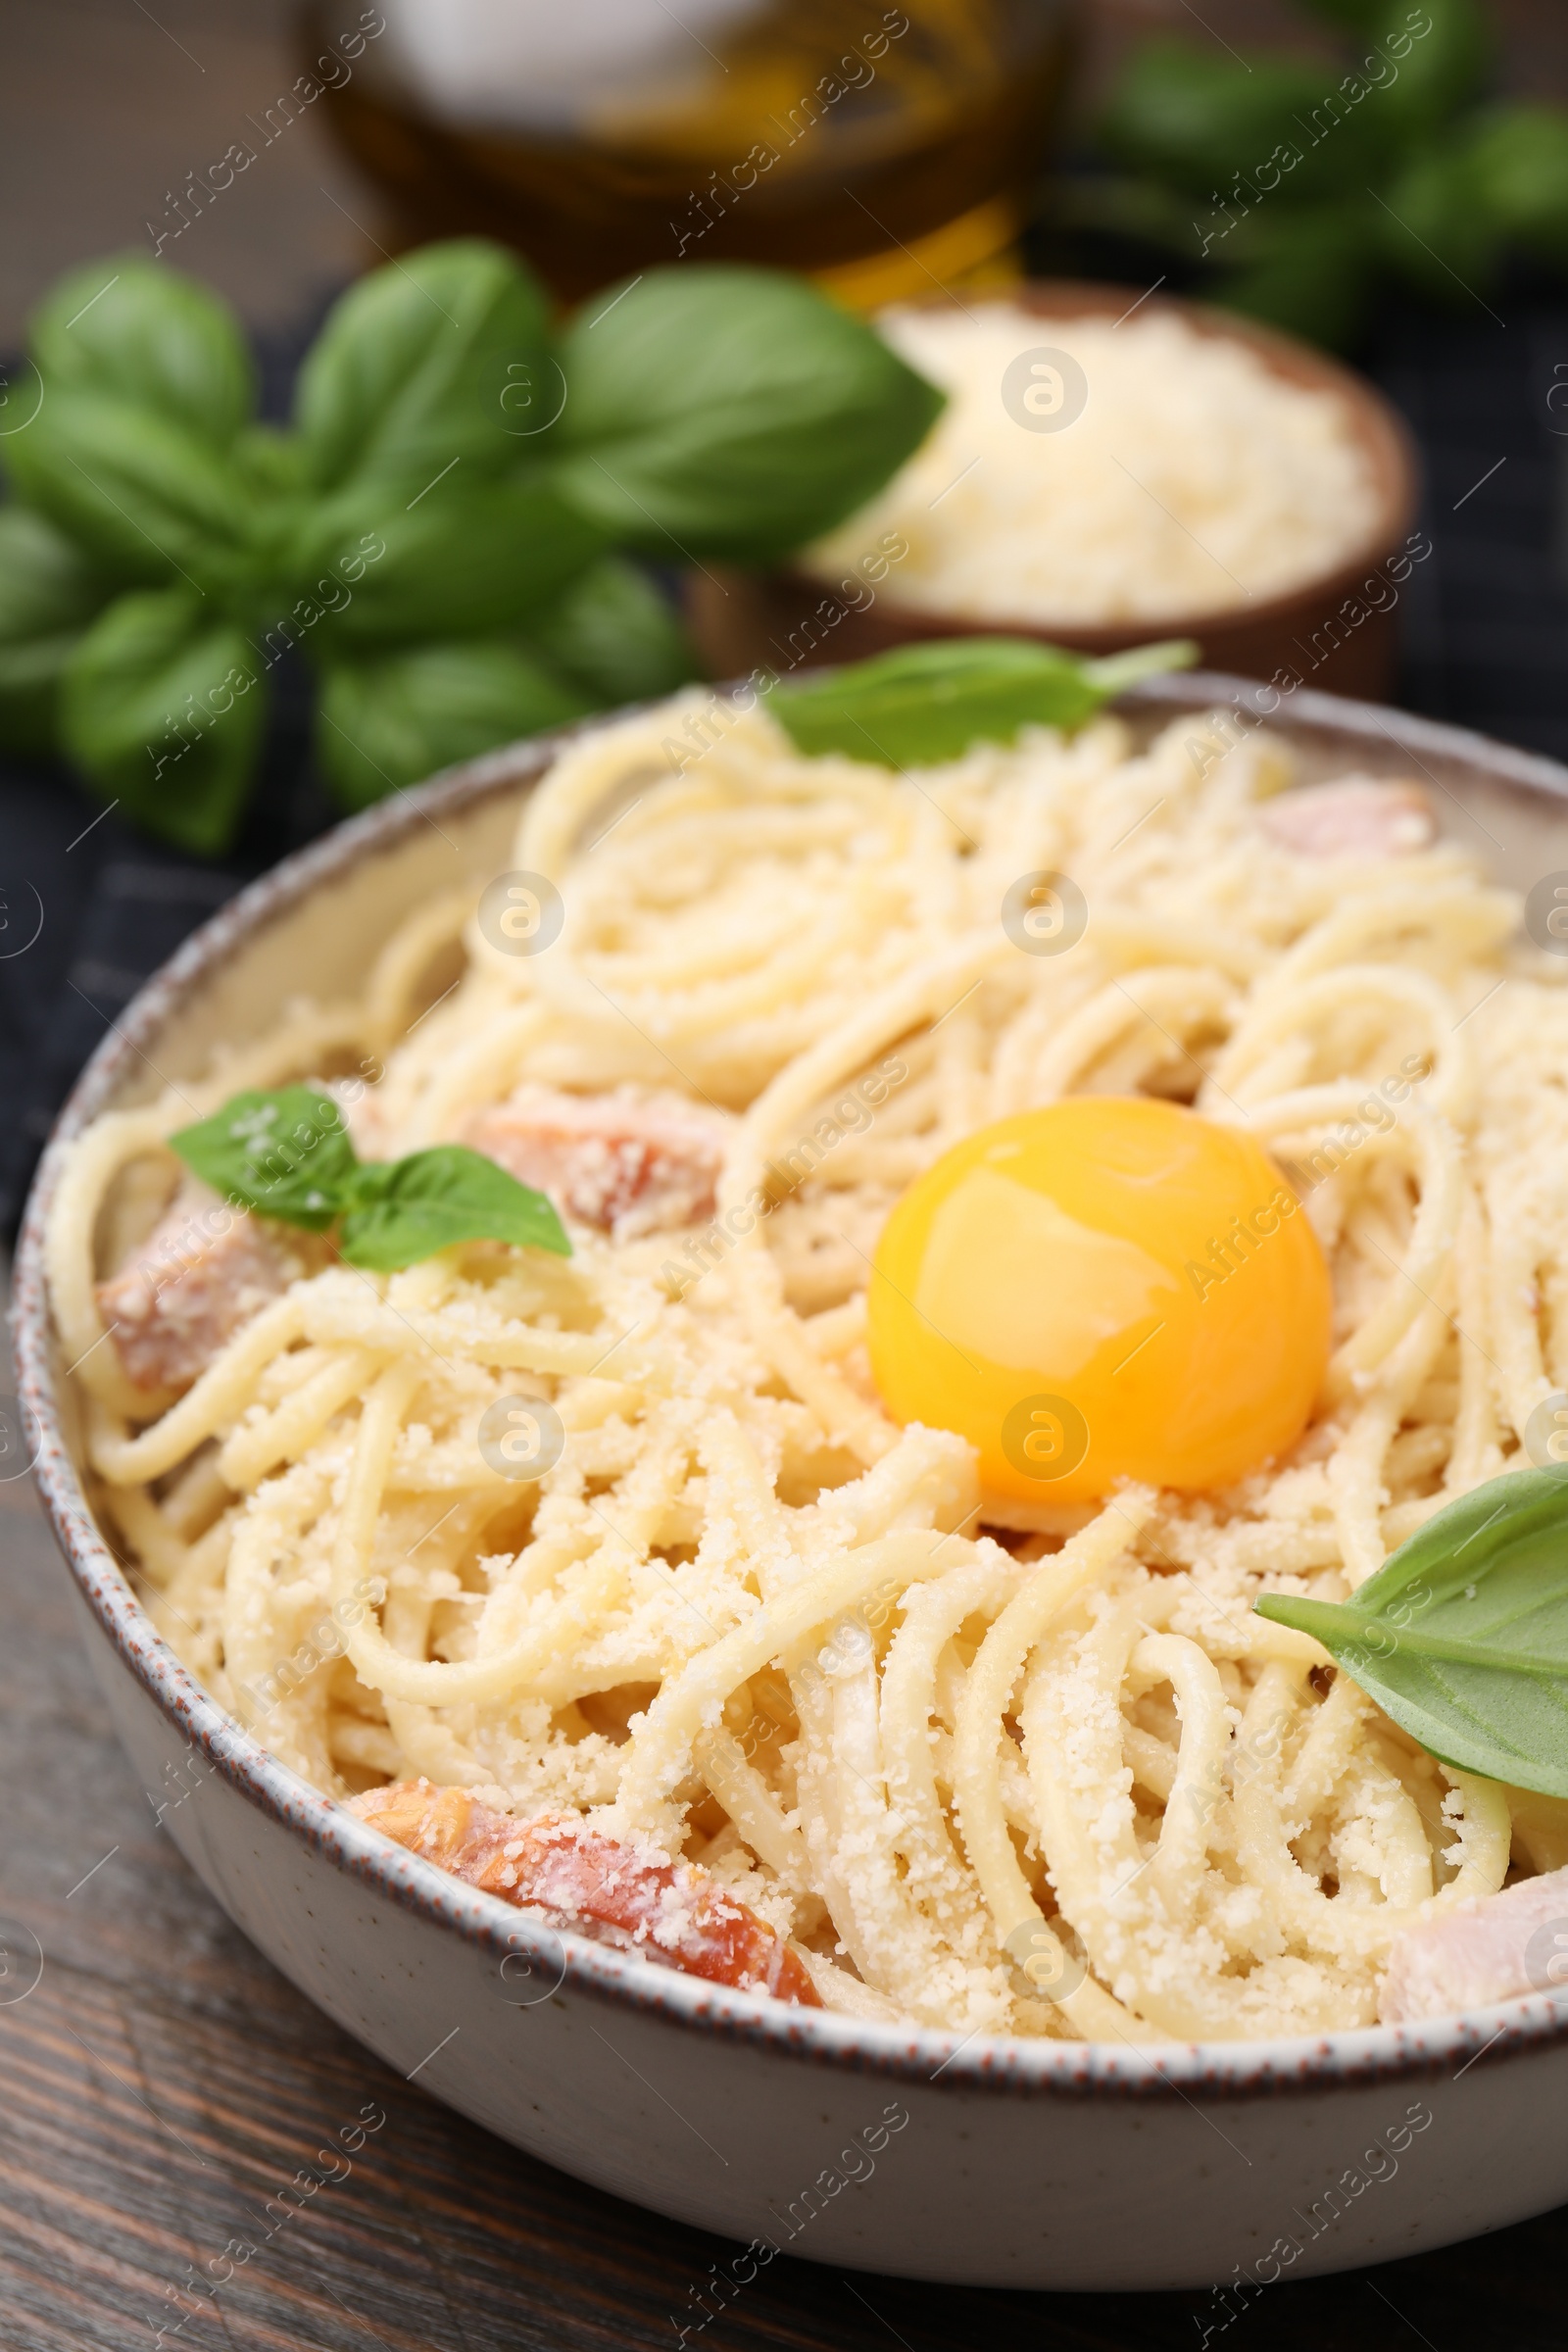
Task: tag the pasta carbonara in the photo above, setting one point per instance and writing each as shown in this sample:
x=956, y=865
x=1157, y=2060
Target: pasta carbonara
x=995, y=1764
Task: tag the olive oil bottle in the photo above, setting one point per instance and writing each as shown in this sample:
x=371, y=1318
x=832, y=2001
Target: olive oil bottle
x=882, y=147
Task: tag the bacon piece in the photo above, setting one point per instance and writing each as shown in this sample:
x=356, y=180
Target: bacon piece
x=1488, y=1950
x=201, y=1274
x=628, y=1162
x=1360, y=816
x=672, y=1911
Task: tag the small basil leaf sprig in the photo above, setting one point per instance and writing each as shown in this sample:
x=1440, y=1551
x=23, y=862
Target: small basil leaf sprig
x=402, y=1211
x=437, y=535
x=1462, y=1634
x=928, y=703
x=284, y=1152
x=287, y=1153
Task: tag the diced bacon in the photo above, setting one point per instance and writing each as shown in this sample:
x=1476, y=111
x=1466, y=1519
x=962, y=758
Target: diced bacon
x=1360, y=816
x=627, y=1163
x=361, y=1113
x=201, y=1274
x=672, y=1911
x=1488, y=1950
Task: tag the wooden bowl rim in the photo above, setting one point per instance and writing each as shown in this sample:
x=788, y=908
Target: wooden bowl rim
x=1379, y=428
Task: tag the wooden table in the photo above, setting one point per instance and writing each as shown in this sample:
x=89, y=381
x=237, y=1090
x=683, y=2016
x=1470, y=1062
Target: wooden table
x=161, y=2080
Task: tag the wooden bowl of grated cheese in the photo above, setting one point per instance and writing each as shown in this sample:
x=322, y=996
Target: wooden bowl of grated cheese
x=1109, y=470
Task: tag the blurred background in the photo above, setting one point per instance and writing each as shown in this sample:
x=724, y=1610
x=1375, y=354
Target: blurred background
x=109, y=107
x=106, y=109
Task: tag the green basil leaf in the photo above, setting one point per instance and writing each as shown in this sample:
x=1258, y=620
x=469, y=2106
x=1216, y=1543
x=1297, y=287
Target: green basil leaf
x=1355, y=16
x=928, y=703
x=137, y=331
x=1433, y=229
x=1437, y=73
x=1311, y=272
x=417, y=363
x=406, y=1209
x=48, y=595
x=144, y=497
x=467, y=558
x=1463, y=1635
x=161, y=706
x=1115, y=204
x=717, y=410
x=1517, y=164
x=1204, y=121
x=615, y=637
x=284, y=1152
x=270, y=462
x=382, y=723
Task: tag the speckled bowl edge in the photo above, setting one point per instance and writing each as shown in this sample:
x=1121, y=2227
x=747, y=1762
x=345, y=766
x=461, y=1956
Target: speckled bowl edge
x=1020, y=2068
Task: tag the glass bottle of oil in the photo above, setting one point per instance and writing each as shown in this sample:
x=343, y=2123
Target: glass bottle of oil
x=881, y=147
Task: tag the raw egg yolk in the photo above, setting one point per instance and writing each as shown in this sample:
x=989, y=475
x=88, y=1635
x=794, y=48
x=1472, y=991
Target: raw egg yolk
x=1106, y=1288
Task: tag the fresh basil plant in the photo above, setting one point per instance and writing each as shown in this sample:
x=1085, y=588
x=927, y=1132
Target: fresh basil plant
x=437, y=535
x=1302, y=184
x=285, y=1154
x=1463, y=1635
x=927, y=702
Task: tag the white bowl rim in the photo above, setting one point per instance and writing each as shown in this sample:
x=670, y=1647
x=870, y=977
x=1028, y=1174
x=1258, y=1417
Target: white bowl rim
x=1231, y=2071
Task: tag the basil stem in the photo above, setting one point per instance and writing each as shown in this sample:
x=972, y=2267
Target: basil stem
x=1463, y=1635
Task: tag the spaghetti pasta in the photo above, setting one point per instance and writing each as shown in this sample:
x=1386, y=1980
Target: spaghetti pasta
x=745, y=1619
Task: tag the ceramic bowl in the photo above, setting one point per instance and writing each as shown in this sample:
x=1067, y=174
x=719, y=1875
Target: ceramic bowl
x=879, y=2147
x=1337, y=631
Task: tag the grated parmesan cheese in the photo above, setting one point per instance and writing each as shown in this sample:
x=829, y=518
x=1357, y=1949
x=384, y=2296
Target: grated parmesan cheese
x=1194, y=479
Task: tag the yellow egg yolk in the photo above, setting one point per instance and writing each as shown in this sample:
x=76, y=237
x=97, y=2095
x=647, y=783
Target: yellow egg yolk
x=1111, y=1287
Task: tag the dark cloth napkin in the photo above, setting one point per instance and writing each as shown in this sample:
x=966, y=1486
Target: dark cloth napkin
x=89, y=907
